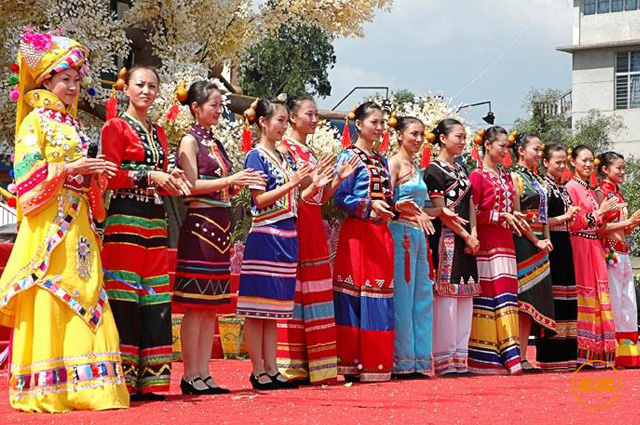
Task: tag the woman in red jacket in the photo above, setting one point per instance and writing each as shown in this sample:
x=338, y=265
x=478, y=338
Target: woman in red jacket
x=135, y=238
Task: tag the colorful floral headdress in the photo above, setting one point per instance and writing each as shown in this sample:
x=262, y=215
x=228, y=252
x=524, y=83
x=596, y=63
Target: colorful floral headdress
x=41, y=55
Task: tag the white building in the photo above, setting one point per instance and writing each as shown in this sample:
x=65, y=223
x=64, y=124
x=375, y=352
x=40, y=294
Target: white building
x=606, y=64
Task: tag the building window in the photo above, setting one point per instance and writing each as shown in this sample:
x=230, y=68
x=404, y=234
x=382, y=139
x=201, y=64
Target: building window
x=591, y=7
x=604, y=6
x=627, y=80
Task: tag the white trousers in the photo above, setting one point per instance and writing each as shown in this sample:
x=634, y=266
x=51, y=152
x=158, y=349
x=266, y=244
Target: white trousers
x=451, y=331
x=623, y=295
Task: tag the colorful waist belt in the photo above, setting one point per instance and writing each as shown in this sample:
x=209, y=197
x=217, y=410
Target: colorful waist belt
x=559, y=228
x=145, y=195
x=588, y=234
x=621, y=247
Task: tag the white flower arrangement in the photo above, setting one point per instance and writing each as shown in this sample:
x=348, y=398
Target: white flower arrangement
x=430, y=108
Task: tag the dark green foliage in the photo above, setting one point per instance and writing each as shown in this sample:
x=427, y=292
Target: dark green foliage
x=294, y=61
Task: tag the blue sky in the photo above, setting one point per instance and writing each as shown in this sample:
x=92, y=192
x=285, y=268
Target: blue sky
x=444, y=45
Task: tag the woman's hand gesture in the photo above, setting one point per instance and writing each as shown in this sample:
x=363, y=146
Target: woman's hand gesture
x=514, y=223
x=544, y=245
x=175, y=184
x=247, y=177
x=380, y=209
x=347, y=168
x=302, y=173
x=90, y=166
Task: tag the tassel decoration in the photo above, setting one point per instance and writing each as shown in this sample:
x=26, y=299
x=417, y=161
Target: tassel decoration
x=566, y=174
x=246, y=137
x=14, y=95
x=535, y=168
x=475, y=154
x=407, y=257
x=593, y=180
x=426, y=156
x=112, y=105
x=432, y=269
x=507, y=160
x=346, y=135
x=173, y=112
x=384, y=146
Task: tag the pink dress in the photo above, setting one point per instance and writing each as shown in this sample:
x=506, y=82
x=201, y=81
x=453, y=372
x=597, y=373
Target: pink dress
x=596, y=332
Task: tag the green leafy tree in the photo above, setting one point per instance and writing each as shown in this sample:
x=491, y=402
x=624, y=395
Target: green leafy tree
x=596, y=130
x=295, y=61
x=544, y=119
x=403, y=96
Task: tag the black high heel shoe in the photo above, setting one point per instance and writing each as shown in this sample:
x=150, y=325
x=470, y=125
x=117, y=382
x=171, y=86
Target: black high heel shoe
x=214, y=389
x=187, y=387
x=257, y=385
x=284, y=385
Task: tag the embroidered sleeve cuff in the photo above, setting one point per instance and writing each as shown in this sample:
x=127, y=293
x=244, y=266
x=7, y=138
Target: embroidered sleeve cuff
x=591, y=219
x=257, y=187
x=494, y=217
x=363, y=209
x=140, y=179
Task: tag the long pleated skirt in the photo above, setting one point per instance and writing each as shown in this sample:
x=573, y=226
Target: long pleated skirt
x=535, y=289
x=363, y=299
x=137, y=280
x=494, y=343
x=60, y=361
x=560, y=351
x=307, y=341
x=596, y=331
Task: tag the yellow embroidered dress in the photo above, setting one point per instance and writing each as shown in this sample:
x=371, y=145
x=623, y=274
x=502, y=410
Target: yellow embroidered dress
x=65, y=352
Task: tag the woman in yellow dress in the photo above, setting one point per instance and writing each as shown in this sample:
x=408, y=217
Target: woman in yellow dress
x=65, y=352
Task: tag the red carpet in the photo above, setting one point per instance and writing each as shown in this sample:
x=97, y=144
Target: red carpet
x=528, y=399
